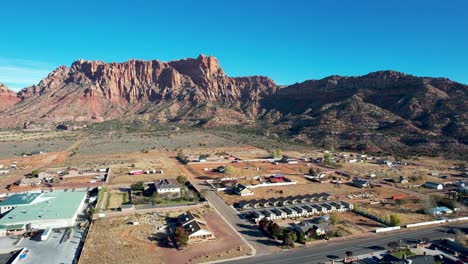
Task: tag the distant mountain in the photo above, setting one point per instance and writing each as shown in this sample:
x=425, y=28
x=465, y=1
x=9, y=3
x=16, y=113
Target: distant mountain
x=382, y=111
x=8, y=98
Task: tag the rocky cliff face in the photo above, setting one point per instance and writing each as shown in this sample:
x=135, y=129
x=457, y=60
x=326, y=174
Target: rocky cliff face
x=8, y=98
x=384, y=110
x=94, y=90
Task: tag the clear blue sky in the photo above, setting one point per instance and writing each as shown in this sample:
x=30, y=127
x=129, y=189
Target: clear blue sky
x=290, y=41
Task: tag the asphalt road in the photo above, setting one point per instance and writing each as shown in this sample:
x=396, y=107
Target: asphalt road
x=250, y=232
x=336, y=250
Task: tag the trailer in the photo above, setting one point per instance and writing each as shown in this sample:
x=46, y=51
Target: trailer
x=136, y=172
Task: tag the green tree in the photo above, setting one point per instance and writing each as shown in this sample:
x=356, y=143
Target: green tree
x=393, y=246
x=400, y=202
x=311, y=171
x=264, y=223
x=334, y=218
x=230, y=170
x=395, y=220
x=181, y=236
x=182, y=179
x=288, y=238
x=277, y=153
x=276, y=230
x=35, y=173
x=300, y=236
x=137, y=186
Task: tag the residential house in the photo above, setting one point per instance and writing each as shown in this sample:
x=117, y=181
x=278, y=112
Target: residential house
x=167, y=187
x=295, y=200
x=325, y=196
x=360, y=183
x=290, y=212
x=433, y=185
x=280, y=213
x=310, y=210
x=320, y=209
x=255, y=203
x=274, y=202
x=264, y=203
x=243, y=205
x=242, y=190
x=347, y=205
x=384, y=162
x=338, y=206
x=283, y=201
x=300, y=211
x=195, y=226
x=330, y=208
x=257, y=216
x=439, y=210
x=303, y=199
x=312, y=229
x=269, y=214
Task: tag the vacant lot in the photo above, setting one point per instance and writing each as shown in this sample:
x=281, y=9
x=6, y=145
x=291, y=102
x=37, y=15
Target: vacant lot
x=408, y=213
x=245, y=169
x=145, y=161
x=113, y=240
x=118, y=142
x=10, y=149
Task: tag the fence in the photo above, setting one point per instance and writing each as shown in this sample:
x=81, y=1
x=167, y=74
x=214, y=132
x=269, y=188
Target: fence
x=371, y=216
x=387, y=229
x=161, y=209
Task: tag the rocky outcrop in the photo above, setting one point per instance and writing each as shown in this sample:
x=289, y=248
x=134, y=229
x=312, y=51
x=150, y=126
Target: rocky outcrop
x=380, y=111
x=8, y=98
x=94, y=90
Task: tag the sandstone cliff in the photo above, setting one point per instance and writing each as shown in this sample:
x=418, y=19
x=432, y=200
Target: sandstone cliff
x=8, y=98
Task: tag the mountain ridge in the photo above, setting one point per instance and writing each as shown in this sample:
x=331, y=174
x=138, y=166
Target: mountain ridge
x=382, y=110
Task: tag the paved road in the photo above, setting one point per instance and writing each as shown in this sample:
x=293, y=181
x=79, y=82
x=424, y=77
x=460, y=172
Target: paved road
x=329, y=250
x=250, y=232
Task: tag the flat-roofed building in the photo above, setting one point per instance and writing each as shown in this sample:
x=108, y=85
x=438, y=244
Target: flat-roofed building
x=56, y=209
x=18, y=199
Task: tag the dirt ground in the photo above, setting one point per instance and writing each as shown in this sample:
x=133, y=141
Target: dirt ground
x=112, y=240
x=246, y=169
x=227, y=244
x=422, y=170
x=408, y=213
x=145, y=161
x=303, y=186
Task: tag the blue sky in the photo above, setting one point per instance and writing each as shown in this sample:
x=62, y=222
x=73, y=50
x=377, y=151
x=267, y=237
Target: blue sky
x=289, y=41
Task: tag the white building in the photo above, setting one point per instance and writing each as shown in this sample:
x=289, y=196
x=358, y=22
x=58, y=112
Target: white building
x=167, y=186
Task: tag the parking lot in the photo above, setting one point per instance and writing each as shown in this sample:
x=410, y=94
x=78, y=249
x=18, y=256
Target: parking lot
x=61, y=247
